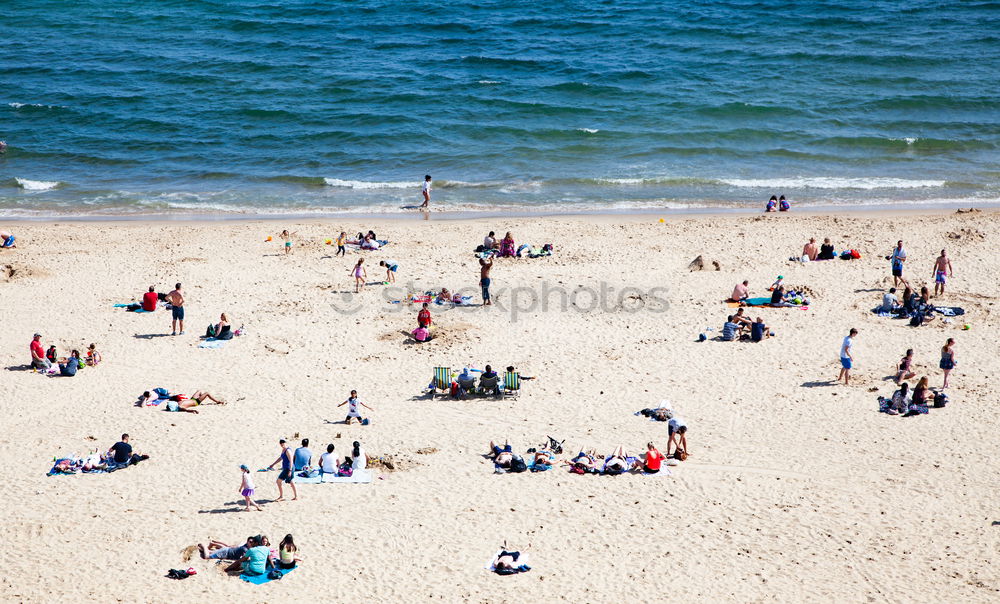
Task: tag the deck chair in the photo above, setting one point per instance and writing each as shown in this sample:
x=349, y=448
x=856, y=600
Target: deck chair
x=489, y=385
x=511, y=384
x=442, y=381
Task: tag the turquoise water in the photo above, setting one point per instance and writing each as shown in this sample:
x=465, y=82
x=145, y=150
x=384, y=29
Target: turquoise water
x=304, y=106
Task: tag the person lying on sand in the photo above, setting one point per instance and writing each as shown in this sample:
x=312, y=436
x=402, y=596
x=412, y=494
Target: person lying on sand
x=583, y=463
x=510, y=563
x=502, y=456
x=617, y=462
x=217, y=550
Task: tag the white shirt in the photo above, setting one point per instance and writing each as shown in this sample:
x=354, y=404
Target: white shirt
x=676, y=423
x=247, y=481
x=426, y=188
x=899, y=253
x=328, y=463
x=359, y=462
x=845, y=348
x=489, y=243
x=352, y=407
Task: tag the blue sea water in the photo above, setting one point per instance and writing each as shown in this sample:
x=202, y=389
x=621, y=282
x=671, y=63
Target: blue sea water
x=306, y=106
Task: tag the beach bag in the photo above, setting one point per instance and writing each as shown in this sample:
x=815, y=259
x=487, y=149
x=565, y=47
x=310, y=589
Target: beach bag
x=855, y=254
x=680, y=455
x=517, y=464
x=577, y=470
x=940, y=400
x=345, y=471
x=210, y=332
x=275, y=575
x=917, y=320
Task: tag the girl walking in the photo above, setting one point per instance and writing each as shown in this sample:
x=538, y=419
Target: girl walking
x=246, y=489
x=360, y=275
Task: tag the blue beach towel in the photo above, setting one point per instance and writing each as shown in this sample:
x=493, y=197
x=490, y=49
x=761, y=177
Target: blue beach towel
x=211, y=343
x=127, y=305
x=262, y=579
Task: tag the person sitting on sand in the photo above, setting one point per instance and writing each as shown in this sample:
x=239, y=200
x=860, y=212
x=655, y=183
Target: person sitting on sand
x=741, y=292
x=38, y=359
x=889, y=301
x=759, y=331
x=359, y=458
x=303, y=457
x=217, y=550
x=490, y=241
x=223, y=329
x=652, y=461
x=52, y=355
x=778, y=297
x=507, y=246
x=900, y=402
x=810, y=250
x=424, y=316
x=370, y=242
x=502, y=456
x=352, y=403
x=772, y=204
x=730, y=329
x=121, y=453
x=741, y=319
x=921, y=391
x=444, y=296
x=510, y=563
x=6, y=238
x=616, y=463
x=783, y=205
x=256, y=560
x=421, y=334
x=328, y=462
x=93, y=357
x=826, y=251
x=903, y=369
x=287, y=553
x=510, y=369
x=150, y=299
x=71, y=365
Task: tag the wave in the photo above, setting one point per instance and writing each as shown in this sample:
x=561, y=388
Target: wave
x=589, y=130
x=364, y=184
x=36, y=185
x=831, y=182
x=34, y=106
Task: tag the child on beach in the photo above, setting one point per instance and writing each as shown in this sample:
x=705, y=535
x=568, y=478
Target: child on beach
x=783, y=205
x=246, y=489
x=352, y=410
x=390, y=270
x=93, y=357
x=288, y=240
x=771, y=204
x=341, y=242
x=425, y=190
x=360, y=275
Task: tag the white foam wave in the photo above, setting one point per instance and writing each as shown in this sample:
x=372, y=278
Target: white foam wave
x=490, y=82
x=830, y=182
x=909, y=140
x=589, y=130
x=364, y=184
x=36, y=185
x=19, y=105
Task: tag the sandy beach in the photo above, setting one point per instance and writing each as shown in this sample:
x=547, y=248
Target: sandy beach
x=797, y=489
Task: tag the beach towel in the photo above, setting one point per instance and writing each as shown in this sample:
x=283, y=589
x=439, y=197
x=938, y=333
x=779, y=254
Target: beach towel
x=262, y=579
x=358, y=477
x=766, y=303
x=949, y=311
x=130, y=307
x=211, y=343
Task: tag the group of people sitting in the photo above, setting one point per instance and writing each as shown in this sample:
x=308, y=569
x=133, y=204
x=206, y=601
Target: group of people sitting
x=740, y=327
x=304, y=464
x=916, y=401
x=49, y=362
x=118, y=456
x=367, y=241
x=506, y=248
x=811, y=253
x=915, y=306
x=465, y=383
x=255, y=557
x=777, y=203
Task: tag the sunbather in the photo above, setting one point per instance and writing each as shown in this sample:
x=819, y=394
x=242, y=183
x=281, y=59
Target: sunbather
x=583, y=463
x=509, y=563
x=501, y=455
x=652, y=461
x=217, y=550
x=543, y=460
x=741, y=292
x=617, y=462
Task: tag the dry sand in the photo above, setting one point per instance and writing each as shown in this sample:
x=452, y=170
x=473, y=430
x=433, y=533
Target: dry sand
x=797, y=490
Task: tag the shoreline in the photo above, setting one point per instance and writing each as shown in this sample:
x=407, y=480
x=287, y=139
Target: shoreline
x=459, y=216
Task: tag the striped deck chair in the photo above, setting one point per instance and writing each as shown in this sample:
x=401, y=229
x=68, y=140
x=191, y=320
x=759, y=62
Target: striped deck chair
x=442, y=380
x=511, y=384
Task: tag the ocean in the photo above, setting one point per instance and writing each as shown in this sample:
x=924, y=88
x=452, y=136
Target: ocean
x=316, y=107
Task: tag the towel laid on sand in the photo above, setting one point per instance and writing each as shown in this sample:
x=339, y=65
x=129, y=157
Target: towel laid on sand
x=262, y=579
x=211, y=343
x=359, y=477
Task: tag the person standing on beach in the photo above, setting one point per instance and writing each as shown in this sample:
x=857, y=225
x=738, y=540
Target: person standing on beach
x=898, y=257
x=286, y=475
x=485, y=265
x=360, y=275
x=246, y=490
x=942, y=270
x=846, y=358
x=425, y=190
x=38, y=358
x=947, y=359
x=176, y=300
x=341, y=242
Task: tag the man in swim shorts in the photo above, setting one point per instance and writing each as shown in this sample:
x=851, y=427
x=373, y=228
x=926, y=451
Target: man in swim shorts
x=942, y=270
x=176, y=300
x=846, y=358
x=285, y=459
